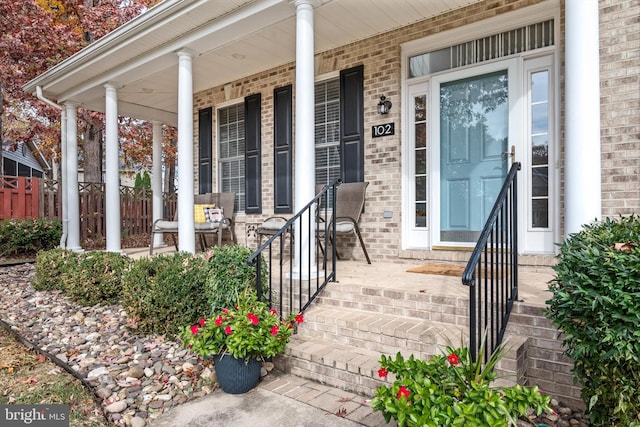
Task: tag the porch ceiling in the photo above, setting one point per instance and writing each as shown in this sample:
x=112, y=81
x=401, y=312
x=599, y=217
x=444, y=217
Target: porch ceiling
x=230, y=40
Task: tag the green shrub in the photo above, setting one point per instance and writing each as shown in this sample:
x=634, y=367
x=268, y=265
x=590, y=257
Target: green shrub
x=452, y=390
x=53, y=268
x=229, y=275
x=96, y=278
x=28, y=236
x=165, y=292
x=596, y=304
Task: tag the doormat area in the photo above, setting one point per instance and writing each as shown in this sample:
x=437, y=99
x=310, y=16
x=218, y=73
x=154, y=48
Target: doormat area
x=439, y=269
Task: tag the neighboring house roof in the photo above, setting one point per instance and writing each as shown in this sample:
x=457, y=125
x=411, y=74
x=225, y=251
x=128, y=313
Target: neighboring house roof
x=229, y=39
x=27, y=154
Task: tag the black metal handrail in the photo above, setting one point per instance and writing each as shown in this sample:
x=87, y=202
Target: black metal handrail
x=291, y=288
x=492, y=271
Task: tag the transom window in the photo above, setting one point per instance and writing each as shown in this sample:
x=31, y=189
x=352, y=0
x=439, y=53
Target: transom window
x=524, y=39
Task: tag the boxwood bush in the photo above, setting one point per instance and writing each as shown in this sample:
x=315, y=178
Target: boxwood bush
x=596, y=304
x=26, y=237
x=97, y=278
x=163, y=293
x=229, y=275
x=53, y=268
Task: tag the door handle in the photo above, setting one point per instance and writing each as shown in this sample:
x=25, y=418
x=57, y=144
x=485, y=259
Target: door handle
x=511, y=153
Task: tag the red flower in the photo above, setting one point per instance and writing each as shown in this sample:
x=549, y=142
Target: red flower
x=273, y=311
x=382, y=372
x=194, y=329
x=219, y=321
x=225, y=310
x=228, y=330
x=202, y=321
x=299, y=318
x=252, y=318
x=274, y=330
x=453, y=358
x=403, y=392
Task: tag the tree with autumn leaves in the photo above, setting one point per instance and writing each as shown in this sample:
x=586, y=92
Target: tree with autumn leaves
x=38, y=34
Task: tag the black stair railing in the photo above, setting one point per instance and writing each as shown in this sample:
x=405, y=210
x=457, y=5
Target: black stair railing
x=492, y=271
x=291, y=287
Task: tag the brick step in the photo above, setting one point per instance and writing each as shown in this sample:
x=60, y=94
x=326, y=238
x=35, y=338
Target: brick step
x=347, y=368
x=341, y=346
x=355, y=369
x=406, y=303
x=379, y=332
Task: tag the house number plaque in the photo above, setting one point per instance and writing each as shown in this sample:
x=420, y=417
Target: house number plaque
x=383, y=130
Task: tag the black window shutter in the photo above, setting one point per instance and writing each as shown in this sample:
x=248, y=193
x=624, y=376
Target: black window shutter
x=352, y=124
x=283, y=150
x=252, y=153
x=205, y=168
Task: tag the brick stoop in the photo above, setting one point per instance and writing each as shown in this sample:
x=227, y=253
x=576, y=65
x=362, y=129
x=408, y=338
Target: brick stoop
x=345, y=333
x=350, y=326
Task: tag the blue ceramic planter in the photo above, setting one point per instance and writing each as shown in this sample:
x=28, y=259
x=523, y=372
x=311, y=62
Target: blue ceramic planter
x=236, y=376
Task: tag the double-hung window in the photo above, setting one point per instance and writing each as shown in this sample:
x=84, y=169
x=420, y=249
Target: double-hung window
x=327, y=131
x=231, y=142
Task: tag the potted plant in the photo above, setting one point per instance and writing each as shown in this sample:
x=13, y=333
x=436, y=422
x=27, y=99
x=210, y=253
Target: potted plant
x=239, y=338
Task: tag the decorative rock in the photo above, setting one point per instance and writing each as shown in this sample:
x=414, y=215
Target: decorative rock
x=168, y=370
x=156, y=404
x=135, y=372
x=148, y=372
x=269, y=366
x=138, y=422
x=116, y=407
x=98, y=372
x=104, y=392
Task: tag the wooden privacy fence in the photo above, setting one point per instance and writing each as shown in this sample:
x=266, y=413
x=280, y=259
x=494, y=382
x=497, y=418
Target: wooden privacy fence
x=19, y=197
x=43, y=199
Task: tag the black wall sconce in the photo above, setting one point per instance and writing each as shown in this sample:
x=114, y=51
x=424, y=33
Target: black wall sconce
x=384, y=105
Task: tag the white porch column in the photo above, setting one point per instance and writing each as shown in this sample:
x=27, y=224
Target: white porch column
x=156, y=180
x=63, y=178
x=583, y=194
x=112, y=169
x=304, y=137
x=73, y=196
x=186, y=230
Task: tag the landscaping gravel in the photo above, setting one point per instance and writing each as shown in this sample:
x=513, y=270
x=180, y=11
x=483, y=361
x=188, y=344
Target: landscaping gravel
x=136, y=377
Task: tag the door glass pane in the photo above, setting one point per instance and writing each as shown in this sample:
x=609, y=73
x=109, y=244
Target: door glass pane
x=539, y=124
x=474, y=118
x=420, y=166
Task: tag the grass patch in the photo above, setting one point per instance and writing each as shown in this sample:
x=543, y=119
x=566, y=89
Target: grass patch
x=29, y=378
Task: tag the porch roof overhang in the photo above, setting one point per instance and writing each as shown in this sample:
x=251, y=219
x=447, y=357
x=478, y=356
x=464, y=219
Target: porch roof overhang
x=229, y=40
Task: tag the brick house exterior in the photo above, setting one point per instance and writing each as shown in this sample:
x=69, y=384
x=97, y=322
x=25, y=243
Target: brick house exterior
x=391, y=218
x=381, y=58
